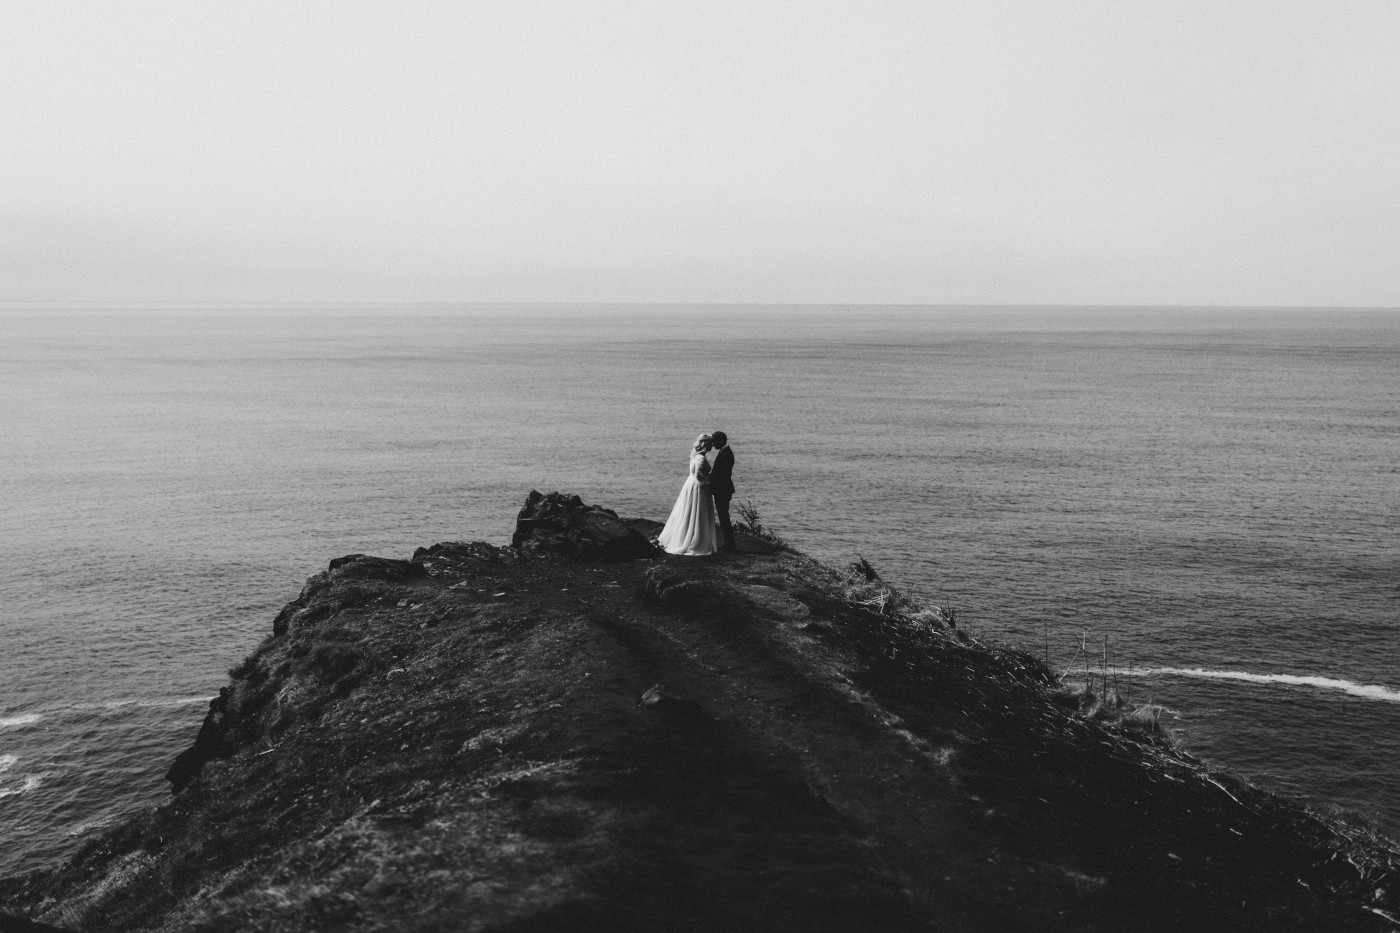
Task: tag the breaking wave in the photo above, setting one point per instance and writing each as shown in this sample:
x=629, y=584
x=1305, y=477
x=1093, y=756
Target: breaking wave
x=1365, y=691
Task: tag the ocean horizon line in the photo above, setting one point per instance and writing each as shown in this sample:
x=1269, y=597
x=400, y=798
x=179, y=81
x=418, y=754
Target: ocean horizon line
x=344, y=304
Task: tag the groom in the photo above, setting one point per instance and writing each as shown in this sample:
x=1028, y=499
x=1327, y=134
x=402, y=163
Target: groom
x=722, y=486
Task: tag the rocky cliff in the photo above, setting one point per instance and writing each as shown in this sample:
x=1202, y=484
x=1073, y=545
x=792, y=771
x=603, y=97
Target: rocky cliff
x=580, y=733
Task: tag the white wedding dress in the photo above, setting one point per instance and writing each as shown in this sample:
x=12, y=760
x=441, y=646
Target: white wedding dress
x=691, y=528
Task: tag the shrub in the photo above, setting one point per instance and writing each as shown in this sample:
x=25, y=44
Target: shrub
x=751, y=523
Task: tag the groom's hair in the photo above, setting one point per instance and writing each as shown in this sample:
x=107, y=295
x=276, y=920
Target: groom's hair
x=719, y=438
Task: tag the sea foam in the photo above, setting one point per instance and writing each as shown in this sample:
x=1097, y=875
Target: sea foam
x=163, y=703
x=30, y=783
x=1365, y=691
x=19, y=722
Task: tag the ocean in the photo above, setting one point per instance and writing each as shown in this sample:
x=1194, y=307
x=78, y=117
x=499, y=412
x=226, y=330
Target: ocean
x=1207, y=496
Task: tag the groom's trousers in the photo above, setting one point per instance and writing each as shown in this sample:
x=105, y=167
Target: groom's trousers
x=722, y=511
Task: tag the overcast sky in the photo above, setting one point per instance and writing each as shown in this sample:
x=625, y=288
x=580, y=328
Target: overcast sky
x=1118, y=152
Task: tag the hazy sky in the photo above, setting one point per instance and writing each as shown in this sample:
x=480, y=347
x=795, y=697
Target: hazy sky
x=1220, y=152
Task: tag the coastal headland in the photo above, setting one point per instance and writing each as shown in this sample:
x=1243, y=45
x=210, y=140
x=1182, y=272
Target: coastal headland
x=579, y=732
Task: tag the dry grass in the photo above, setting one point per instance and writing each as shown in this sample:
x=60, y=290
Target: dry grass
x=1111, y=709
x=863, y=586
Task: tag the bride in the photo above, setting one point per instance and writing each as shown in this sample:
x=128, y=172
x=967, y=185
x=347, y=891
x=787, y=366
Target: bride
x=691, y=528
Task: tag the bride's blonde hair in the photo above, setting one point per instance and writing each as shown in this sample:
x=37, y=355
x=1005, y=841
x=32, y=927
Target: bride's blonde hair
x=702, y=444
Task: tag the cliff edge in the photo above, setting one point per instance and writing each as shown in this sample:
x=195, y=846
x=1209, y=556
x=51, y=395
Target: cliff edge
x=578, y=732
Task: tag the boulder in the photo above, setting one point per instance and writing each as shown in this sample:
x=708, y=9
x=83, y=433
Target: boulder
x=564, y=524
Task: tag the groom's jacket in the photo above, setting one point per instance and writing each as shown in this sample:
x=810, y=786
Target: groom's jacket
x=722, y=473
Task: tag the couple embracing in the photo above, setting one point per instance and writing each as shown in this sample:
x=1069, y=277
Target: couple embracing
x=705, y=496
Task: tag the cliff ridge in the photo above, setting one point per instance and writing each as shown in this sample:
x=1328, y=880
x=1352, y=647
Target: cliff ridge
x=579, y=732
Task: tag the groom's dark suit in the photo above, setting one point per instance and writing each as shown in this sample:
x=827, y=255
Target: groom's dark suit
x=722, y=488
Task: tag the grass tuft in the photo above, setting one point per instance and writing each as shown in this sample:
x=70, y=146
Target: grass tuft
x=750, y=522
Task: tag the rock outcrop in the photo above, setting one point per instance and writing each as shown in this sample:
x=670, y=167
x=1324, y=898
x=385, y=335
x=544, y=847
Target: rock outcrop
x=563, y=524
x=518, y=739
